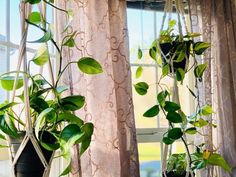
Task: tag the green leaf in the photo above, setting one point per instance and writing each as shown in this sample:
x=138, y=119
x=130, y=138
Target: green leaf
x=200, y=123
x=89, y=66
x=69, y=131
x=41, y=120
x=218, y=160
x=191, y=131
x=70, y=42
x=153, y=111
x=2, y=137
x=38, y=104
x=70, y=135
x=5, y=106
x=140, y=54
x=49, y=146
x=10, y=123
x=141, y=88
x=42, y=55
x=206, y=110
x=192, y=93
x=139, y=72
x=3, y=146
x=171, y=106
x=67, y=170
x=33, y=1
x=161, y=97
x=174, y=117
x=171, y=23
x=68, y=117
x=153, y=52
x=72, y=103
x=35, y=18
x=84, y=145
x=5, y=128
x=165, y=69
x=167, y=140
x=199, y=70
x=175, y=133
x=200, y=47
x=46, y=37
x=180, y=74
x=7, y=82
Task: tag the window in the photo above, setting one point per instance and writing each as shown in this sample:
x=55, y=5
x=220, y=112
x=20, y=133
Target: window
x=144, y=23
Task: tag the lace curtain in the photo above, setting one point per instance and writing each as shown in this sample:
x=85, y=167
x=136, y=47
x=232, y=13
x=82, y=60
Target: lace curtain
x=216, y=20
x=102, y=33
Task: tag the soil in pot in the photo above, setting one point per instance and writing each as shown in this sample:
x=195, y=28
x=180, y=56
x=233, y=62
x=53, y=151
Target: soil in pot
x=174, y=174
x=169, y=49
x=29, y=163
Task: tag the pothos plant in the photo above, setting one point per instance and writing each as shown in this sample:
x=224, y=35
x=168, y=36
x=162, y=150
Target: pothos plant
x=50, y=110
x=175, y=54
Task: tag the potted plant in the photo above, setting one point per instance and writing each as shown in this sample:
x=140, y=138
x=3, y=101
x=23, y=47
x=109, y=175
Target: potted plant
x=51, y=123
x=174, y=51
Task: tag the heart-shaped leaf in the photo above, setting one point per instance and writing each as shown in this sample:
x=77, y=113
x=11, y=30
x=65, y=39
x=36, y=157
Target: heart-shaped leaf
x=141, y=88
x=89, y=66
x=153, y=111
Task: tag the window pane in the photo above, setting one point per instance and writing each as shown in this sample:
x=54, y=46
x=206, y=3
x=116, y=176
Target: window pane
x=3, y=20
x=3, y=69
x=143, y=103
x=15, y=33
x=150, y=159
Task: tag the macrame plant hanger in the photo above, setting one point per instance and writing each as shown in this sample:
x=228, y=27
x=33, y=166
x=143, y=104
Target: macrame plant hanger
x=25, y=10
x=168, y=10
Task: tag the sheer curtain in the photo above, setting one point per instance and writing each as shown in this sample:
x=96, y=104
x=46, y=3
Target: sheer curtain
x=216, y=20
x=102, y=33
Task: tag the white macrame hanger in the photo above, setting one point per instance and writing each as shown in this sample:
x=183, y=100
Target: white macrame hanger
x=25, y=10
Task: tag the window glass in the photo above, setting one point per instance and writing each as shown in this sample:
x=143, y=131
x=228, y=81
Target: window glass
x=3, y=20
x=15, y=30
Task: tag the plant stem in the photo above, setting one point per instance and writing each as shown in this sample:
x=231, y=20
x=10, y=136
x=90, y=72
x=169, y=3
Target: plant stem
x=61, y=72
x=55, y=6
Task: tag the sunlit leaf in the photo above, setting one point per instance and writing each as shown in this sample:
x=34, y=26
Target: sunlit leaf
x=206, y=110
x=41, y=119
x=139, y=72
x=200, y=47
x=7, y=82
x=89, y=66
x=35, y=17
x=191, y=131
x=42, y=55
x=218, y=160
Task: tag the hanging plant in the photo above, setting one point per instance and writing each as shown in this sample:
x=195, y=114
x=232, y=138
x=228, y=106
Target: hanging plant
x=49, y=123
x=175, y=53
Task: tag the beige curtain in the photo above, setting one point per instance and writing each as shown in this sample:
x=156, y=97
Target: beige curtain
x=102, y=33
x=216, y=20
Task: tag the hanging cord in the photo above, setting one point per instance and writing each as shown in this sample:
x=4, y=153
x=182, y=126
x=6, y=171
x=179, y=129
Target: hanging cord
x=42, y=8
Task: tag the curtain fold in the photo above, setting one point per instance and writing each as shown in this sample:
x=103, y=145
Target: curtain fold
x=216, y=20
x=102, y=34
